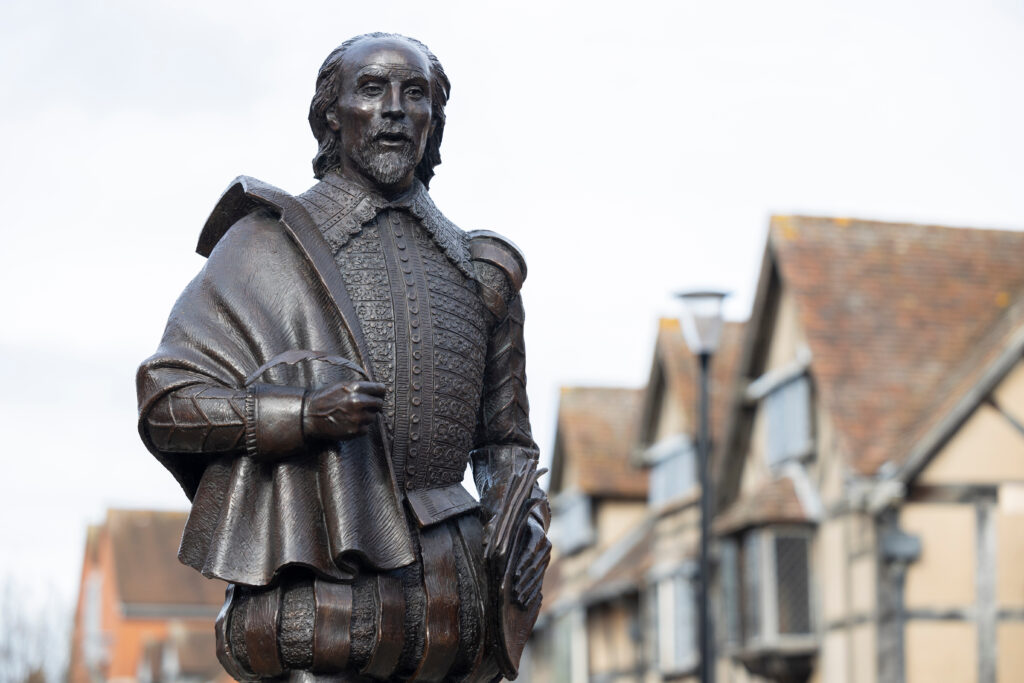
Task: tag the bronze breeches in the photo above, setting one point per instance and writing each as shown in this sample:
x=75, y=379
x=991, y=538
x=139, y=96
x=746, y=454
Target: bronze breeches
x=421, y=622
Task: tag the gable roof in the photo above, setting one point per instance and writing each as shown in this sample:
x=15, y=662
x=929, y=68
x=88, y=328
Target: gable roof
x=899, y=319
x=146, y=567
x=981, y=370
x=674, y=370
x=595, y=434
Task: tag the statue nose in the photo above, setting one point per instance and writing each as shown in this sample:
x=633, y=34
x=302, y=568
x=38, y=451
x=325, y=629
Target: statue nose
x=392, y=108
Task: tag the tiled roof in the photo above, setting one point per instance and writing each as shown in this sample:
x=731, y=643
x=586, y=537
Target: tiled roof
x=775, y=502
x=965, y=386
x=680, y=368
x=891, y=312
x=596, y=433
x=145, y=549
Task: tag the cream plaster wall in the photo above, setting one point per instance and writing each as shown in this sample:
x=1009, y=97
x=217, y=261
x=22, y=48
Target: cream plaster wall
x=755, y=467
x=1009, y=653
x=865, y=654
x=827, y=468
x=787, y=334
x=673, y=418
x=943, y=577
x=846, y=575
x=1010, y=559
x=616, y=518
x=832, y=566
x=863, y=574
x=940, y=651
x=834, y=662
x=986, y=450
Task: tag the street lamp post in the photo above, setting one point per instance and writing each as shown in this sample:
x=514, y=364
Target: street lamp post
x=702, y=328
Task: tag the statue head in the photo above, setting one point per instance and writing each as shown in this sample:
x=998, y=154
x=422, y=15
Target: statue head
x=379, y=106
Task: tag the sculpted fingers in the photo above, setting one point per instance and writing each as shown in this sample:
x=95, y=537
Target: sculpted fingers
x=527, y=593
x=530, y=572
x=528, y=589
x=372, y=388
x=534, y=567
x=342, y=410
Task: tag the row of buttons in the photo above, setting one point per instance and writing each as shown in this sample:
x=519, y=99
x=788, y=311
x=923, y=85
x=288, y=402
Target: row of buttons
x=415, y=399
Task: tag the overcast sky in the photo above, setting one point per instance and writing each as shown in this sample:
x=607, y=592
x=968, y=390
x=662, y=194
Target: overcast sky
x=630, y=148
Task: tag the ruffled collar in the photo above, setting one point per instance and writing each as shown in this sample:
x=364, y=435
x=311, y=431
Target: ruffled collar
x=341, y=208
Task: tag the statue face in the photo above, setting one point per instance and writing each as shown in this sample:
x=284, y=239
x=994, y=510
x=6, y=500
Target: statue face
x=383, y=112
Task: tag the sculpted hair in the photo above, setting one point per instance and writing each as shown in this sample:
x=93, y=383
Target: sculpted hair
x=328, y=82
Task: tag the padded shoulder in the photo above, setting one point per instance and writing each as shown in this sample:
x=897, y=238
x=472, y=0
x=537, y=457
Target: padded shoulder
x=243, y=196
x=501, y=252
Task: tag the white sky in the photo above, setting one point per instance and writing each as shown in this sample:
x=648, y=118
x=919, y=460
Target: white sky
x=631, y=149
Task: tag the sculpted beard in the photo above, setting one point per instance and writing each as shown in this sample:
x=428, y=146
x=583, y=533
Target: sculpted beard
x=386, y=164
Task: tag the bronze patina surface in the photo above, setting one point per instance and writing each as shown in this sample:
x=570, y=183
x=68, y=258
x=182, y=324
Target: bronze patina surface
x=322, y=385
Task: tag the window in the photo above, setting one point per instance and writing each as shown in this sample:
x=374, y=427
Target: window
x=751, y=600
x=792, y=572
x=572, y=527
x=94, y=641
x=766, y=588
x=729, y=630
x=677, y=624
x=674, y=471
x=787, y=411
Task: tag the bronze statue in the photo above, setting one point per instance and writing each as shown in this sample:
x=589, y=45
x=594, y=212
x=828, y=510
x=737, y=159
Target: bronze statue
x=320, y=388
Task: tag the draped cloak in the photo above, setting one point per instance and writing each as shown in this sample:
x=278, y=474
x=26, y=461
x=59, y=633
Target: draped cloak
x=270, y=285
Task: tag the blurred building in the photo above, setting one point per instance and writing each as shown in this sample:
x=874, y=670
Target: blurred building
x=869, y=468
x=141, y=615
x=617, y=598
x=598, y=499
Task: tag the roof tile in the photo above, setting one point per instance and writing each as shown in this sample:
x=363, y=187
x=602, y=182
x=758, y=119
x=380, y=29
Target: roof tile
x=596, y=431
x=145, y=545
x=890, y=311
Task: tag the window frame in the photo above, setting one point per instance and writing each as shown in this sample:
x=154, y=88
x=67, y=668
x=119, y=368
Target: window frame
x=776, y=395
x=767, y=635
x=678, y=451
x=670, y=660
x=571, y=538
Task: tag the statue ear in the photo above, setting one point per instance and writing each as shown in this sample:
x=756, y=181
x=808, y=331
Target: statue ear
x=332, y=120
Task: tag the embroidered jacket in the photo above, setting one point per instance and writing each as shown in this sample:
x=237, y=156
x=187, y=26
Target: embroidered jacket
x=427, y=309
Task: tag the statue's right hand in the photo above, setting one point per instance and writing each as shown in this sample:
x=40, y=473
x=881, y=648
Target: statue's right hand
x=341, y=411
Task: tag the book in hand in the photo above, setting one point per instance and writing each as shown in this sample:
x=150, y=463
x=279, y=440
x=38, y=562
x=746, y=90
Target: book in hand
x=512, y=622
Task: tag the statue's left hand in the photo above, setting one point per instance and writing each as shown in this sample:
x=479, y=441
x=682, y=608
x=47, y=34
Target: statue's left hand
x=533, y=560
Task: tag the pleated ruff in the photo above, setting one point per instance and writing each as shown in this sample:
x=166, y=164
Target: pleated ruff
x=423, y=622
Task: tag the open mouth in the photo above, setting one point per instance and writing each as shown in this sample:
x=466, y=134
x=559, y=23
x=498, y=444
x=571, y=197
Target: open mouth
x=393, y=138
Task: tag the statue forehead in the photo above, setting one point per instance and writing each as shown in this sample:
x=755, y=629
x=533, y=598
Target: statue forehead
x=390, y=54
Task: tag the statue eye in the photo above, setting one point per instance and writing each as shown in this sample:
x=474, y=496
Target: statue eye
x=371, y=89
x=415, y=92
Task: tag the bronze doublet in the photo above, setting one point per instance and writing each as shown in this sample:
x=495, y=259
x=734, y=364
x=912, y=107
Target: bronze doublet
x=425, y=324
x=439, y=323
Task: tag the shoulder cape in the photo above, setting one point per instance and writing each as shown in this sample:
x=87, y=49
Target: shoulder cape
x=270, y=286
